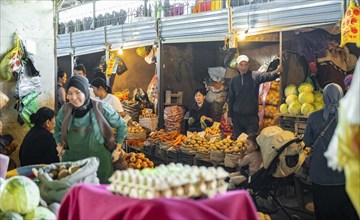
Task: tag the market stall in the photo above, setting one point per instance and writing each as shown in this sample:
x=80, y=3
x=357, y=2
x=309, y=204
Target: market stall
x=79, y=203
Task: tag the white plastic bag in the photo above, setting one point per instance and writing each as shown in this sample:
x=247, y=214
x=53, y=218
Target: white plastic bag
x=217, y=74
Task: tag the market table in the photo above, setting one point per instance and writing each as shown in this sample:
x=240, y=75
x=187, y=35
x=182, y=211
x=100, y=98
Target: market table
x=85, y=201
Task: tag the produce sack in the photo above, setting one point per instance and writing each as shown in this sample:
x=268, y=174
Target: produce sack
x=231, y=160
x=53, y=190
x=217, y=156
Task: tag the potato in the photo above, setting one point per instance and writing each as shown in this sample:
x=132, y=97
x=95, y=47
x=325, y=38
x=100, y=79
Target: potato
x=54, y=174
x=73, y=169
x=63, y=173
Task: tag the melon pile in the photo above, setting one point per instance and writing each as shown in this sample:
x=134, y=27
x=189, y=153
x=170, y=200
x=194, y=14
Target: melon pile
x=302, y=100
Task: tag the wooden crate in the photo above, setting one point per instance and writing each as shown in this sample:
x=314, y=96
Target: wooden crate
x=296, y=124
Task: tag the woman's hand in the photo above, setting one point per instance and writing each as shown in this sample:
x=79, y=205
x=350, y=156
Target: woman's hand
x=60, y=150
x=117, y=153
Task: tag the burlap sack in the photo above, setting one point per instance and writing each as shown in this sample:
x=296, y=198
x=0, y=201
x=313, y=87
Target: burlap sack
x=217, y=156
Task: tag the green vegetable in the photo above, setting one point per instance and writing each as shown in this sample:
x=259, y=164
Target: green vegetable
x=295, y=108
x=284, y=108
x=19, y=194
x=10, y=216
x=305, y=87
x=40, y=213
x=291, y=99
x=306, y=97
x=307, y=109
x=291, y=90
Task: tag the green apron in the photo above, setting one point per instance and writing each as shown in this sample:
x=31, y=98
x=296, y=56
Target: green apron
x=82, y=144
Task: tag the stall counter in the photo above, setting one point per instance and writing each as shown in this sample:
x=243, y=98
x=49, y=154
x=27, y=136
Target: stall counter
x=85, y=201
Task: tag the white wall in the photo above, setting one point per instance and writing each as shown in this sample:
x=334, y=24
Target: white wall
x=33, y=20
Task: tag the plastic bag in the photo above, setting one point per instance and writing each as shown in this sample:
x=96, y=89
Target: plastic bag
x=152, y=90
x=26, y=83
x=141, y=51
x=28, y=106
x=151, y=57
x=217, y=73
x=121, y=67
x=3, y=99
x=350, y=32
x=11, y=62
x=53, y=190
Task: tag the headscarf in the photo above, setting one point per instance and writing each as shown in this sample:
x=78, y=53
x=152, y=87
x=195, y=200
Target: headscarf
x=332, y=95
x=82, y=84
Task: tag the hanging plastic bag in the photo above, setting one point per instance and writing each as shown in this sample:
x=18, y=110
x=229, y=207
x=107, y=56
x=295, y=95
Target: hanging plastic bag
x=111, y=67
x=152, y=90
x=26, y=83
x=26, y=107
x=3, y=100
x=121, y=67
x=151, y=57
x=141, y=51
x=350, y=32
x=11, y=62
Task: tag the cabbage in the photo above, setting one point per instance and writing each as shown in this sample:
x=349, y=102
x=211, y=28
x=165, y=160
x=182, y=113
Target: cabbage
x=284, y=108
x=19, y=194
x=295, y=108
x=10, y=216
x=306, y=97
x=318, y=105
x=305, y=87
x=291, y=90
x=318, y=96
x=291, y=98
x=307, y=109
x=40, y=213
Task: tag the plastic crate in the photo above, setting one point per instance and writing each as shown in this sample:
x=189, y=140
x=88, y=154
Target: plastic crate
x=205, y=163
x=149, y=150
x=160, y=153
x=171, y=156
x=185, y=158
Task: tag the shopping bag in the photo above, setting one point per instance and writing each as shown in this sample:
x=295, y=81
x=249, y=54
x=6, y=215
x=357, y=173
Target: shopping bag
x=11, y=62
x=121, y=67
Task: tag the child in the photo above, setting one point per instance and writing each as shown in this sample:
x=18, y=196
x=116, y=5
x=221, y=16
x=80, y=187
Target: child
x=253, y=159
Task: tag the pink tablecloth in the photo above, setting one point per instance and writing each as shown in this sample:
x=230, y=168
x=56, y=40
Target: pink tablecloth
x=95, y=202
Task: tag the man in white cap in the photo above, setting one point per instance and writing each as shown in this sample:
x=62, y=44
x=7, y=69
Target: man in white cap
x=243, y=97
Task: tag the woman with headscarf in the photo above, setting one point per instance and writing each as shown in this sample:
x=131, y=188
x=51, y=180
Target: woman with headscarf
x=329, y=196
x=38, y=146
x=344, y=148
x=84, y=128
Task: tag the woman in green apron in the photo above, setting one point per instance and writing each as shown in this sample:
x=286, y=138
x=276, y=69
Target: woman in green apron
x=84, y=128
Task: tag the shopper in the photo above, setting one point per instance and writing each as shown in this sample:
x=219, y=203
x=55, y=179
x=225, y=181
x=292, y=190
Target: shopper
x=101, y=93
x=200, y=114
x=330, y=198
x=253, y=159
x=81, y=70
x=84, y=128
x=243, y=97
x=61, y=80
x=38, y=146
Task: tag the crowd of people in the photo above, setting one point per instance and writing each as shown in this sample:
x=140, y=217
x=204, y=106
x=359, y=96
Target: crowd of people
x=89, y=122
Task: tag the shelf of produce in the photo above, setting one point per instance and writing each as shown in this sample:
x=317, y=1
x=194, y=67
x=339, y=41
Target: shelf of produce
x=185, y=158
x=149, y=150
x=171, y=156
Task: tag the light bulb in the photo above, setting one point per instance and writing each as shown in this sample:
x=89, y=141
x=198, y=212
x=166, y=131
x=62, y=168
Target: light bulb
x=120, y=51
x=242, y=36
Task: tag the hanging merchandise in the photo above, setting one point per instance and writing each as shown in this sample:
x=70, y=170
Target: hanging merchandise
x=173, y=116
x=132, y=109
x=151, y=57
x=11, y=63
x=121, y=67
x=152, y=90
x=26, y=107
x=115, y=65
x=141, y=51
x=350, y=32
x=3, y=99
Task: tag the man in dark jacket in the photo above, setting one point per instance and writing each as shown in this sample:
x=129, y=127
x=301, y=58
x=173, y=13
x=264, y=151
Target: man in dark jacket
x=243, y=97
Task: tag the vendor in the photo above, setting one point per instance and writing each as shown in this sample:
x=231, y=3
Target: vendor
x=38, y=146
x=101, y=92
x=200, y=114
x=84, y=129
